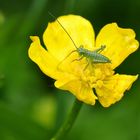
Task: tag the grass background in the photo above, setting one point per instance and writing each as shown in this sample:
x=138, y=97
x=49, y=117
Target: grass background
x=31, y=107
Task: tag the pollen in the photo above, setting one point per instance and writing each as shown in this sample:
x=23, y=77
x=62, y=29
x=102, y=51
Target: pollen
x=94, y=75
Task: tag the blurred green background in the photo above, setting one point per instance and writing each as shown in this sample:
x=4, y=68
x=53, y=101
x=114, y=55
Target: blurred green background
x=31, y=107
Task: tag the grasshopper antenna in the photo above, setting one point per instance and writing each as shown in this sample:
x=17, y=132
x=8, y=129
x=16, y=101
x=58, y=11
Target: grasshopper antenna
x=63, y=28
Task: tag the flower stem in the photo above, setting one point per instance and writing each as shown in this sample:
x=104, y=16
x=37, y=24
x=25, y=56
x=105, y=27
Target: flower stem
x=65, y=128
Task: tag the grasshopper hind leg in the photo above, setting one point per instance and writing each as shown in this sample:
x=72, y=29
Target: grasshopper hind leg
x=99, y=50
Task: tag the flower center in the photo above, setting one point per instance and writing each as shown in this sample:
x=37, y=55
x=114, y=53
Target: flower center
x=95, y=74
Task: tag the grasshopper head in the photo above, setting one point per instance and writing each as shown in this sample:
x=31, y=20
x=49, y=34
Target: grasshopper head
x=81, y=50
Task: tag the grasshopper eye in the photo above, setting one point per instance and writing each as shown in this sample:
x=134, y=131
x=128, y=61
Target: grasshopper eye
x=81, y=46
x=103, y=47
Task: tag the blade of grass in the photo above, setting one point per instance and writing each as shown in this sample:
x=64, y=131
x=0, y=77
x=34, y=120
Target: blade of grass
x=33, y=16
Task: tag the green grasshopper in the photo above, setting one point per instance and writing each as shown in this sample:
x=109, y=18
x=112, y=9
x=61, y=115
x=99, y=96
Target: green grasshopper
x=91, y=56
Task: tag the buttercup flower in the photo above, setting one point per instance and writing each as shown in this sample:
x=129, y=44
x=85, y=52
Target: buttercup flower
x=70, y=75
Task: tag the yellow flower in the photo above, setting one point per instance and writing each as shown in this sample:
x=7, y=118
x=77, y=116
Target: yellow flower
x=70, y=75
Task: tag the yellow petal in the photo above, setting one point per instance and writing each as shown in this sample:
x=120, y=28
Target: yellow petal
x=80, y=89
x=65, y=78
x=42, y=58
x=120, y=42
x=114, y=88
x=57, y=41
